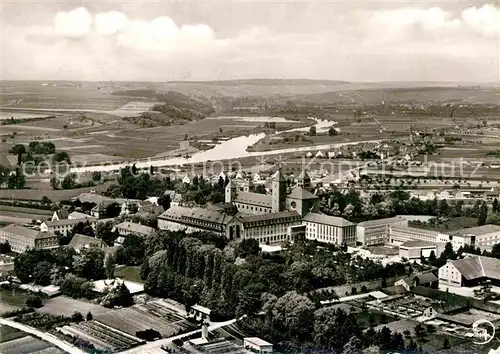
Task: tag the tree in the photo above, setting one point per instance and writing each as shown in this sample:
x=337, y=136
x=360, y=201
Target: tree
x=132, y=251
x=495, y=205
x=5, y=247
x=41, y=273
x=247, y=247
x=446, y=343
x=69, y=181
x=89, y=264
x=113, y=210
x=18, y=150
x=294, y=313
x=483, y=214
x=110, y=265
x=432, y=258
x=76, y=317
x=354, y=346
x=260, y=188
x=165, y=201
x=249, y=299
x=89, y=316
x=16, y=180
x=61, y=156
x=96, y=176
x=105, y=232
x=55, y=183
x=34, y=301
x=312, y=131
x=333, y=132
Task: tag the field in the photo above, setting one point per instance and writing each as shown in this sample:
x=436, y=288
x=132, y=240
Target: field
x=152, y=314
x=62, y=305
x=11, y=299
x=27, y=344
x=131, y=273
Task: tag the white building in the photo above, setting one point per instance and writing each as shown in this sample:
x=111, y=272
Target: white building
x=470, y=271
x=375, y=232
x=257, y=345
x=399, y=234
x=414, y=250
x=329, y=229
x=65, y=226
x=21, y=238
x=483, y=237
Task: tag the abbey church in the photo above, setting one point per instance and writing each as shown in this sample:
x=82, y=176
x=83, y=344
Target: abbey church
x=283, y=215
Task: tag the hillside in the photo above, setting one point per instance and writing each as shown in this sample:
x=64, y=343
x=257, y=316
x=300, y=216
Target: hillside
x=176, y=108
x=406, y=94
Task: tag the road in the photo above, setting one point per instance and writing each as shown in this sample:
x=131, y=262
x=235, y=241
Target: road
x=43, y=336
x=154, y=347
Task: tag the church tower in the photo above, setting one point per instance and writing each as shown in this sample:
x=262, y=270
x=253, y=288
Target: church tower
x=230, y=192
x=304, y=181
x=279, y=192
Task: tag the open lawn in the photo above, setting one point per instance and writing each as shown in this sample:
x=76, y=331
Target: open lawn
x=11, y=299
x=131, y=273
x=449, y=225
x=66, y=306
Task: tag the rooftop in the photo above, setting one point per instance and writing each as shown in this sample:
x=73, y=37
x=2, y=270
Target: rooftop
x=416, y=229
x=385, y=221
x=477, y=267
x=257, y=341
x=77, y=215
x=82, y=241
x=209, y=215
x=417, y=244
x=135, y=228
x=304, y=175
x=302, y=194
x=21, y=231
x=477, y=231
x=270, y=216
x=327, y=220
x=278, y=176
x=258, y=199
x=101, y=285
x=69, y=221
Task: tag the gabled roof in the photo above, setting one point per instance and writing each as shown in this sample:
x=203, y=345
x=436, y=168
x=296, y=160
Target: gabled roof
x=478, y=230
x=78, y=215
x=268, y=217
x=21, y=231
x=417, y=244
x=62, y=222
x=254, y=199
x=386, y=221
x=304, y=175
x=62, y=213
x=135, y=228
x=302, y=194
x=478, y=267
x=183, y=214
x=327, y=220
x=81, y=241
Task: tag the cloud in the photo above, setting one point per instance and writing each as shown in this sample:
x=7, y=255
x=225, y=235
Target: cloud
x=74, y=23
x=384, y=44
x=485, y=20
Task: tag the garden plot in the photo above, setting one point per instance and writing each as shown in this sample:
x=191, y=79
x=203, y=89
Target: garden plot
x=101, y=335
x=151, y=315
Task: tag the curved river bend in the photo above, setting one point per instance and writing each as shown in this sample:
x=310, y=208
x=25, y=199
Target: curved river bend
x=230, y=149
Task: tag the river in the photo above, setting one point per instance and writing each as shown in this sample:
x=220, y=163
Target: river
x=230, y=149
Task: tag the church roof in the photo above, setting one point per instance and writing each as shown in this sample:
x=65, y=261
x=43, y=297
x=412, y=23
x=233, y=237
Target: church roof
x=254, y=199
x=269, y=217
x=327, y=220
x=278, y=176
x=304, y=175
x=302, y=194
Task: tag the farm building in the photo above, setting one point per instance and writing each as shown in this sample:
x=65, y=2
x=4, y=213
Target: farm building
x=470, y=271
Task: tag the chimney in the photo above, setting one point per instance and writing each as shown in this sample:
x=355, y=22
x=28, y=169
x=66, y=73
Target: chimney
x=204, y=331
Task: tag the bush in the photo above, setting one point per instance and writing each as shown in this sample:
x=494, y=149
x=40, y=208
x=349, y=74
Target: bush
x=148, y=335
x=34, y=301
x=18, y=312
x=76, y=317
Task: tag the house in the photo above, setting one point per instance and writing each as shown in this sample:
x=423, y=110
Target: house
x=484, y=237
x=256, y=178
x=257, y=345
x=60, y=215
x=77, y=215
x=79, y=242
x=22, y=238
x=414, y=250
x=64, y=227
x=470, y=271
x=150, y=208
x=127, y=227
x=427, y=279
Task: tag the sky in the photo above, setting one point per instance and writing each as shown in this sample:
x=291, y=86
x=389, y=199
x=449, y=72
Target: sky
x=221, y=40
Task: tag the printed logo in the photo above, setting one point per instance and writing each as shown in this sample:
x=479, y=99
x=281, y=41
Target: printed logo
x=483, y=331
